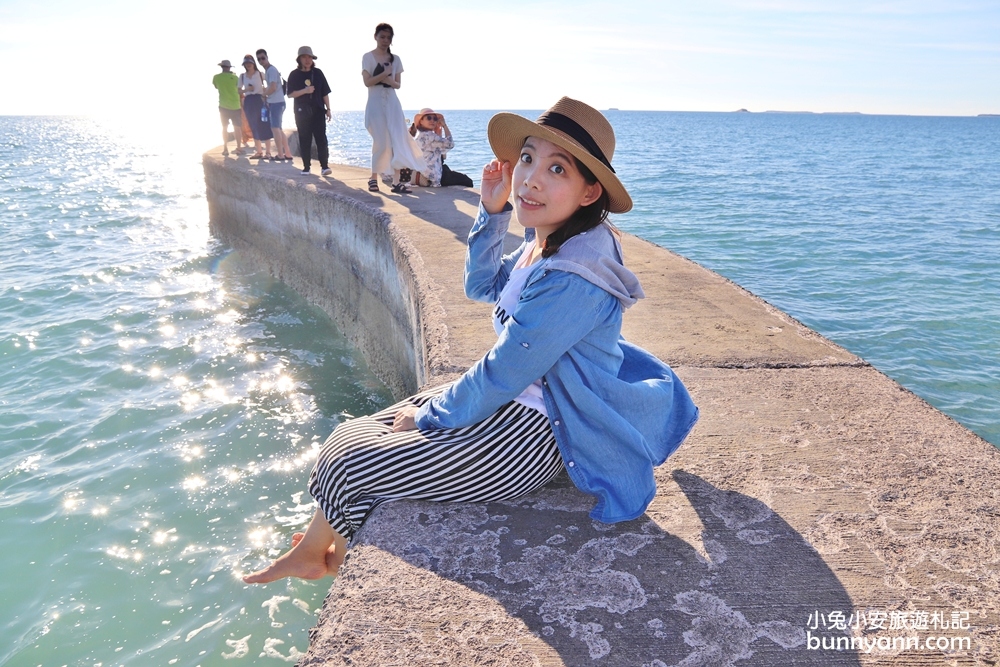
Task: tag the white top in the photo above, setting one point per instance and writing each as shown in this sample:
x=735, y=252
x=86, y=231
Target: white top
x=274, y=76
x=369, y=62
x=253, y=84
x=532, y=395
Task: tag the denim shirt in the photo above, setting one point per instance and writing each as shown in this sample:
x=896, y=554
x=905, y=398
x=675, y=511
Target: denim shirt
x=615, y=409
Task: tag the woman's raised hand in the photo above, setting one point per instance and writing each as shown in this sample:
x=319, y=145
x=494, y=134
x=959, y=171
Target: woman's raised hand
x=496, y=185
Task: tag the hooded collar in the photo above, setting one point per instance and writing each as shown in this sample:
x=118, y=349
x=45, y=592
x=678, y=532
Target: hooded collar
x=596, y=256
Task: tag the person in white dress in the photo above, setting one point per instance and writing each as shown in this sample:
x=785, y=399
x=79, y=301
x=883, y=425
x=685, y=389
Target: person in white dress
x=393, y=149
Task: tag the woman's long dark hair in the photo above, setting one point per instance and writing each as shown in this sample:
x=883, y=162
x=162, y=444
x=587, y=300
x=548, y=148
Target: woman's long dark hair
x=392, y=33
x=584, y=219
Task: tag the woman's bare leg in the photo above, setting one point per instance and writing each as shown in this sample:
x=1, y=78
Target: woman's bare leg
x=319, y=553
x=334, y=557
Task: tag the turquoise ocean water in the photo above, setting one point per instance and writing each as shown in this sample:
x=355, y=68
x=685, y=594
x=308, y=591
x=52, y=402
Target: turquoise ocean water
x=160, y=400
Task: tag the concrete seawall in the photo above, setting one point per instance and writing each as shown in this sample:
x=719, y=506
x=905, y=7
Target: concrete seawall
x=813, y=485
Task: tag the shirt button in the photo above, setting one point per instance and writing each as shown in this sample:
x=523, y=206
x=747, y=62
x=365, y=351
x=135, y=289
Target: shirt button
x=556, y=422
x=571, y=464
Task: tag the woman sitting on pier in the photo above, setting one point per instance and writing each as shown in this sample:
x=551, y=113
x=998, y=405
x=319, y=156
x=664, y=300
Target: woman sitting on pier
x=559, y=390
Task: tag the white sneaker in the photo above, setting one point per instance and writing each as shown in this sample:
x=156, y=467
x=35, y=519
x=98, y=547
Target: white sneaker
x=327, y=171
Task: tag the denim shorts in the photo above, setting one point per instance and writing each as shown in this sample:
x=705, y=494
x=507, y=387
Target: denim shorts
x=277, y=110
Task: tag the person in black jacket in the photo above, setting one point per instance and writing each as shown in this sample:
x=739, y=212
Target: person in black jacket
x=311, y=94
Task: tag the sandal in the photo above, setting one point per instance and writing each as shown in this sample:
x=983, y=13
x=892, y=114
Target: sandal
x=257, y=156
x=373, y=185
x=401, y=189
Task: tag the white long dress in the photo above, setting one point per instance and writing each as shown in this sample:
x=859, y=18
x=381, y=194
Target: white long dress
x=392, y=146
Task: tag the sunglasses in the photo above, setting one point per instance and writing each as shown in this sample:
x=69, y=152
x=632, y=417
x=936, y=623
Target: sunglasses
x=433, y=117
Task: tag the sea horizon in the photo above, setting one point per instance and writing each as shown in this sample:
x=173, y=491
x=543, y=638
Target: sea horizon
x=984, y=114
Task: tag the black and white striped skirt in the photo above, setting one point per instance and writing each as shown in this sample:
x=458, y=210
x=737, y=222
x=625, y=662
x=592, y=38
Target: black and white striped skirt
x=364, y=464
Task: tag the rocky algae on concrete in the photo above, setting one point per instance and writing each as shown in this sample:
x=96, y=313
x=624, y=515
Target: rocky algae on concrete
x=812, y=484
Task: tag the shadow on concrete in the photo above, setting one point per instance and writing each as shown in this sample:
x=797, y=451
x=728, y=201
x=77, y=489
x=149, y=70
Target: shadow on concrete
x=630, y=593
x=439, y=207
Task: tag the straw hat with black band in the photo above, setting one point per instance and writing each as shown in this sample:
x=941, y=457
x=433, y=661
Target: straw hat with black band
x=574, y=126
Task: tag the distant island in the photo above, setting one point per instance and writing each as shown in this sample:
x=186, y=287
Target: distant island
x=825, y=113
x=989, y=115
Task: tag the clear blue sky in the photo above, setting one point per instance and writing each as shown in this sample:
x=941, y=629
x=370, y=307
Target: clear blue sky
x=907, y=56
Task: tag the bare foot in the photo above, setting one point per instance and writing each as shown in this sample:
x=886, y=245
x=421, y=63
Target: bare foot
x=295, y=563
x=333, y=559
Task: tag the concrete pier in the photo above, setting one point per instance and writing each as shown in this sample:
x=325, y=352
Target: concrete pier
x=816, y=506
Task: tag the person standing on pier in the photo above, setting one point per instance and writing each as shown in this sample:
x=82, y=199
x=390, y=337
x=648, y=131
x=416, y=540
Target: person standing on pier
x=252, y=87
x=274, y=94
x=308, y=87
x=393, y=149
x=559, y=390
x=227, y=83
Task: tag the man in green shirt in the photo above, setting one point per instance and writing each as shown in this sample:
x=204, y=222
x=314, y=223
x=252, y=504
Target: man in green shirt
x=226, y=82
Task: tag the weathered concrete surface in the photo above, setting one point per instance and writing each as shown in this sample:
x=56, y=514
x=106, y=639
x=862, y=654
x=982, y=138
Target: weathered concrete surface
x=812, y=483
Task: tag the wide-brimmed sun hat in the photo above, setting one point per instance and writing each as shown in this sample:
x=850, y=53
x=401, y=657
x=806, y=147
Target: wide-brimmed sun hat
x=426, y=111
x=574, y=126
x=226, y=63
x=306, y=51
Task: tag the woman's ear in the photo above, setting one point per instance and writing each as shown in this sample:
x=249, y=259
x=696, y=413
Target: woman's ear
x=592, y=193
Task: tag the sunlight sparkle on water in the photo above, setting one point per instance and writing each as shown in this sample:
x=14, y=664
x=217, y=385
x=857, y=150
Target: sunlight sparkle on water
x=261, y=536
x=191, y=452
x=162, y=536
x=218, y=393
x=123, y=553
x=227, y=317
x=284, y=384
x=193, y=483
